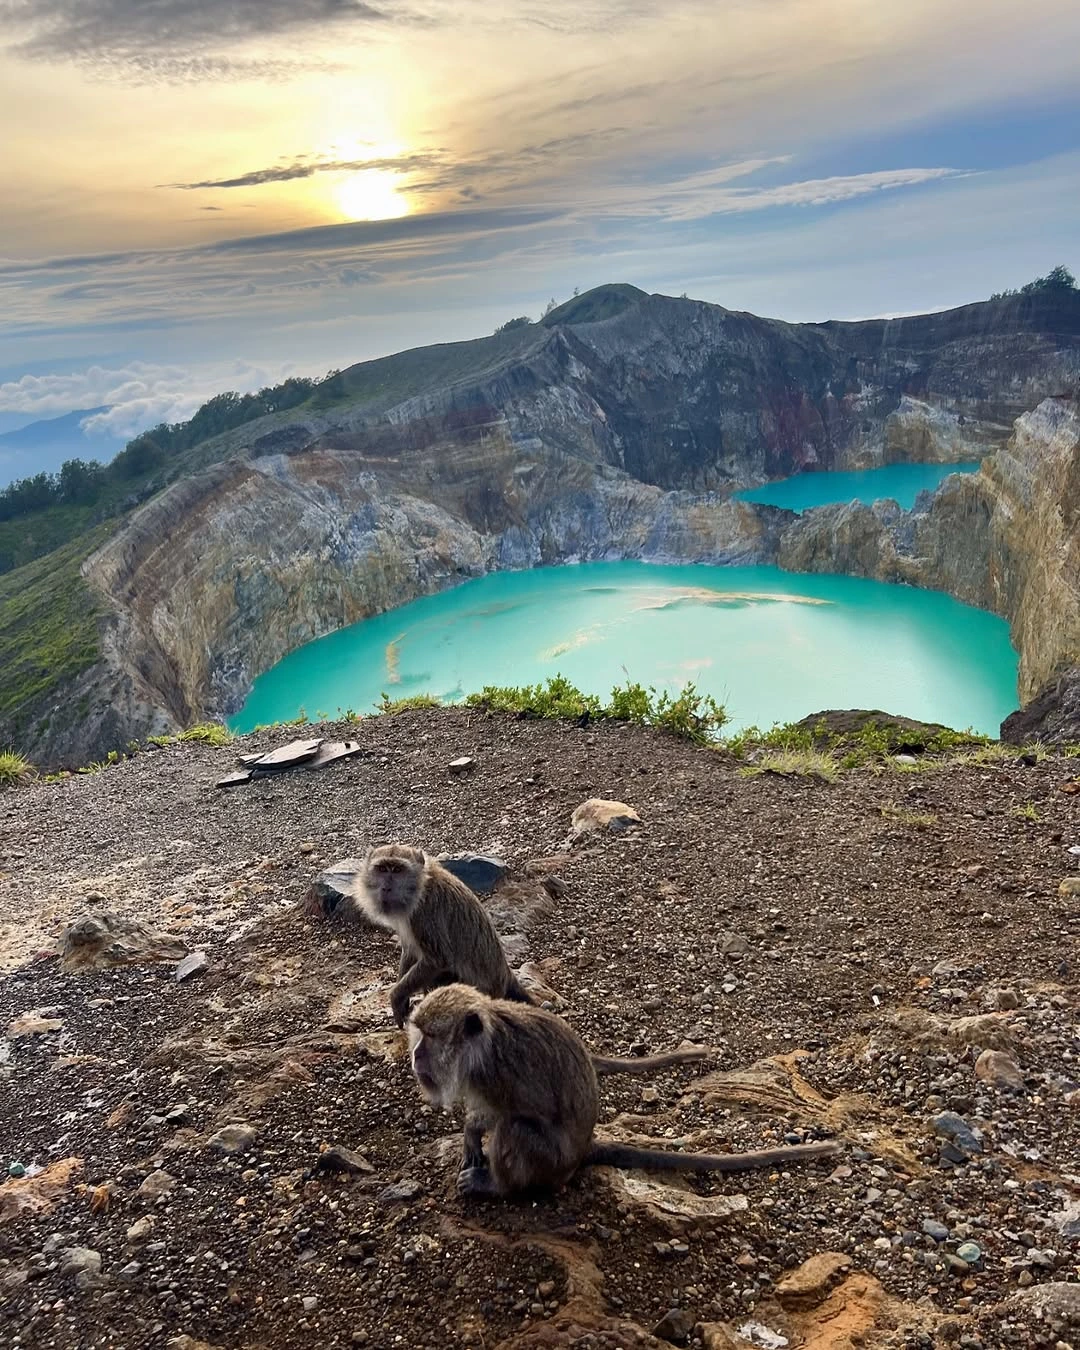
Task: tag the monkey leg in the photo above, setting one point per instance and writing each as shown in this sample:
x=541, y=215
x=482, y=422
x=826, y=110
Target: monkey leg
x=473, y=1144
x=418, y=979
x=523, y=1153
x=408, y=960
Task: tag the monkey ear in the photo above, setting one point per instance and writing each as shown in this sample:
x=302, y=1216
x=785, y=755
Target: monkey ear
x=473, y=1024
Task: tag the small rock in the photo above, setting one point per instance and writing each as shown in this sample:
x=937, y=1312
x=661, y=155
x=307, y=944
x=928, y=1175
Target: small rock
x=650, y=1096
x=600, y=814
x=956, y=1265
x=340, y=1159
x=83, y=1263
x=192, y=964
x=958, y=1131
x=810, y=1283
x=676, y=1326
x=158, y=1183
x=232, y=1138
x=1005, y=999
x=129, y=1274
x=932, y=1228
x=1055, y=1301
x=400, y=1192
x=1000, y=1070
x=16, y=1169
x=478, y=871
x=140, y=1230
x=176, y=1115
x=310, y=1303
x=545, y=1288
x=33, y=1024
x=970, y=1252
x=463, y=764
x=988, y=1031
x=734, y=944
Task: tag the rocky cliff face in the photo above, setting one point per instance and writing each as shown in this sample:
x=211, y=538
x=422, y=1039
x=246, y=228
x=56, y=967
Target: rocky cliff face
x=688, y=395
x=617, y=438
x=221, y=576
x=1005, y=539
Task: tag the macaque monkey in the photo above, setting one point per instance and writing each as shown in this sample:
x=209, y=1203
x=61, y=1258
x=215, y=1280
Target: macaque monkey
x=529, y=1084
x=444, y=930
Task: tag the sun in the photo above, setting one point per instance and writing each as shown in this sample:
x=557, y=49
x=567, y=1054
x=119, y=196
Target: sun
x=370, y=194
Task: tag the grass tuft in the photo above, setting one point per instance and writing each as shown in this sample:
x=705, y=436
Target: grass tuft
x=208, y=733
x=396, y=705
x=915, y=820
x=795, y=763
x=14, y=769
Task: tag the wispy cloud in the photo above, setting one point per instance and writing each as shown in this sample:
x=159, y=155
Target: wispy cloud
x=126, y=29
x=286, y=173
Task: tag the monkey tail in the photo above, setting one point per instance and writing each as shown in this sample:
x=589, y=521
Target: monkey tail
x=517, y=993
x=662, y=1160
x=604, y=1064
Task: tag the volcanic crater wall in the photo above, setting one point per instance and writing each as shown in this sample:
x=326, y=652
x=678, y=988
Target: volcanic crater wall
x=616, y=439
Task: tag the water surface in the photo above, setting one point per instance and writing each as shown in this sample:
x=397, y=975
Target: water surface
x=772, y=645
x=901, y=482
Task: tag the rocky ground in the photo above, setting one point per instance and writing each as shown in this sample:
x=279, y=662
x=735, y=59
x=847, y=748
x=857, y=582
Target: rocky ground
x=890, y=959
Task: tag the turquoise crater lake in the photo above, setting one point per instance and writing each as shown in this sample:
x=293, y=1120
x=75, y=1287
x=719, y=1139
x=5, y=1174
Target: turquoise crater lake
x=901, y=482
x=771, y=645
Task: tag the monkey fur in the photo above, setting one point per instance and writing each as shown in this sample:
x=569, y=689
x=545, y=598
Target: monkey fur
x=529, y=1084
x=444, y=930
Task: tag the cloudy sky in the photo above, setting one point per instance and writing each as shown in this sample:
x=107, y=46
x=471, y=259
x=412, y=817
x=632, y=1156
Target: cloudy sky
x=207, y=194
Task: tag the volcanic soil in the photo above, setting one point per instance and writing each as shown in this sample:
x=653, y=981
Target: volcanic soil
x=849, y=952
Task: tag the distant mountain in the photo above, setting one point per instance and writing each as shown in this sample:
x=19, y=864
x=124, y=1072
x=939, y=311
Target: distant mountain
x=41, y=447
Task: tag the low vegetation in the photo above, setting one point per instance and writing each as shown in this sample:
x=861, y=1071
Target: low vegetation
x=806, y=763
x=14, y=768
x=397, y=705
x=689, y=714
x=901, y=815
x=48, y=632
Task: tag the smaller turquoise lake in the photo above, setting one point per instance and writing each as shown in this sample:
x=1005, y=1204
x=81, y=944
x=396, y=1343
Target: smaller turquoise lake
x=772, y=646
x=901, y=482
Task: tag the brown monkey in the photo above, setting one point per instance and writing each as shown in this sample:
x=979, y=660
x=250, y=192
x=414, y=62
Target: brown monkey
x=529, y=1084
x=444, y=930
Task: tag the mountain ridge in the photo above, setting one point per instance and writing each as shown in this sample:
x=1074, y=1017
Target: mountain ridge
x=617, y=436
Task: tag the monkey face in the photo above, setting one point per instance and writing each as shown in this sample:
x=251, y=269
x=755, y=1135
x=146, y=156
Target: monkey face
x=393, y=879
x=446, y=1033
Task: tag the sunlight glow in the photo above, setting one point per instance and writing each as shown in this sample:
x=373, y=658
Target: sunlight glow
x=370, y=194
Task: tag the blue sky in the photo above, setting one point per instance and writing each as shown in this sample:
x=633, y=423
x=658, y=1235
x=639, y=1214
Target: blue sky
x=212, y=195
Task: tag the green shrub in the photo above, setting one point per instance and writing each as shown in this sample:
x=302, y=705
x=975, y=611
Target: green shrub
x=556, y=698
x=688, y=714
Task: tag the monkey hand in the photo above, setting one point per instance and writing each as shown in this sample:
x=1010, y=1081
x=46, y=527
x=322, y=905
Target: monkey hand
x=475, y=1181
x=399, y=1007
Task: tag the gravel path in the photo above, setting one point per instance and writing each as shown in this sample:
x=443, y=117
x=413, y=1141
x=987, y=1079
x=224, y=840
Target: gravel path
x=848, y=950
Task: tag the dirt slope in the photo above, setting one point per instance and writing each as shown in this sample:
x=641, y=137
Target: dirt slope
x=792, y=925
